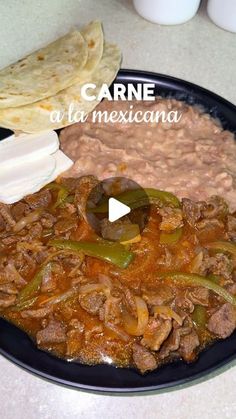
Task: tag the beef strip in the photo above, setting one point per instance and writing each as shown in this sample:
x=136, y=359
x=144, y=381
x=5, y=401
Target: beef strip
x=231, y=227
x=143, y=359
x=9, y=288
x=172, y=218
x=171, y=345
x=163, y=295
x=54, y=332
x=64, y=225
x=7, y=300
x=19, y=210
x=221, y=265
x=216, y=207
x=110, y=312
x=92, y=302
x=188, y=345
x=192, y=211
x=5, y=213
x=37, y=313
x=156, y=332
x=199, y=296
x=41, y=199
x=223, y=322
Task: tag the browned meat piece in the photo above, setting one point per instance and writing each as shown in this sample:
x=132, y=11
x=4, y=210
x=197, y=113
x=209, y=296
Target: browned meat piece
x=199, y=296
x=162, y=295
x=92, y=302
x=54, y=332
x=10, y=274
x=216, y=207
x=35, y=231
x=208, y=224
x=37, y=313
x=47, y=220
x=192, y=211
x=2, y=223
x=156, y=332
x=49, y=282
x=41, y=199
x=130, y=301
x=113, y=231
x=111, y=311
x=84, y=190
x=223, y=322
x=9, y=288
x=231, y=226
x=143, y=359
x=184, y=301
x=6, y=300
x=10, y=240
x=172, y=218
x=19, y=210
x=221, y=264
x=171, y=345
x=188, y=345
x=64, y=225
x=71, y=183
x=7, y=216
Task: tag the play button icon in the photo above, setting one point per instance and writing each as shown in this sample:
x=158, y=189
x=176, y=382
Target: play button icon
x=116, y=210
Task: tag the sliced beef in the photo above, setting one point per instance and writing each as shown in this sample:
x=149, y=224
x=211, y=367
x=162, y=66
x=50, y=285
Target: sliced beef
x=111, y=311
x=6, y=215
x=221, y=264
x=54, y=332
x=9, y=288
x=143, y=359
x=7, y=300
x=188, y=345
x=172, y=218
x=156, y=332
x=129, y=301
x=183, y=301
x=87, y=193
x=199, y=296
x=2, y=223
x=41, y=199
x=114, y=230
x=64, y=225
x=38, y=313
x=19, y=210
x=171, y=345
x=163, y=295
x=49, y=282
x=223, y=322
x=192, y=211
x=231, y=227
x=92, y=302
x=216, y=207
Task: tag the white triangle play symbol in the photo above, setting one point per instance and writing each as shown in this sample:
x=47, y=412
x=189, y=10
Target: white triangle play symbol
x=116, y=209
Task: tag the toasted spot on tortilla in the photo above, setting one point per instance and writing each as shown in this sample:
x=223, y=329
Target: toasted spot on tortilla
x=91, y=43
x=46, y=107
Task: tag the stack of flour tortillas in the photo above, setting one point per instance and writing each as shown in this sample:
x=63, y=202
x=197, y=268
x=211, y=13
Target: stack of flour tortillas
x=51, y=79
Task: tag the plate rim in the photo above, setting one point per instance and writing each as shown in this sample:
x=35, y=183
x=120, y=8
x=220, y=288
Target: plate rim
x=124, y=76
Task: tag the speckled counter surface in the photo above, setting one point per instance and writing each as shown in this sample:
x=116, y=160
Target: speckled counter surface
x=197, y=51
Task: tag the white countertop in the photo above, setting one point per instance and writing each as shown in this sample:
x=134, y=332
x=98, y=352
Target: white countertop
x=197, y=51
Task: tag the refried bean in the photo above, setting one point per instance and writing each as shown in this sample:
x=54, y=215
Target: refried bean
x=193, y=158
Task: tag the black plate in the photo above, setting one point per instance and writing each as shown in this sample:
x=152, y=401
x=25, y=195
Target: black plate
x=17, y=347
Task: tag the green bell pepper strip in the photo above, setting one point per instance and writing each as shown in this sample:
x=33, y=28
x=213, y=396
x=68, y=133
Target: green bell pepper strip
x=171, y=238
x=34, y=285
x=24, y=304
x=223, y=246
x=112, y=252
x=199, y=317
x=189, y=279
x=62, y=195
x=139, y=198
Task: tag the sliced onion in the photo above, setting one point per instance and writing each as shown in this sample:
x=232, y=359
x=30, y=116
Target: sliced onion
x=86, y=289
x=137, y=327
x=167, y=311
x=118, y=331
x=29, y=219
x=104, y=279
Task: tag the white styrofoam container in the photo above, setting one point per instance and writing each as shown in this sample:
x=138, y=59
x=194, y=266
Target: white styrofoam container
x=223, y=13
x=167, y=12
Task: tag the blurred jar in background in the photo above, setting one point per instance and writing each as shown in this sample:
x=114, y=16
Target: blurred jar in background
x=167, y=12
x=223, y=13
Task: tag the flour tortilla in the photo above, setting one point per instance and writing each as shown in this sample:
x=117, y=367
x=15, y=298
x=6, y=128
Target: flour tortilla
x=44, y=72
x=36, y=116
x=93, y=35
